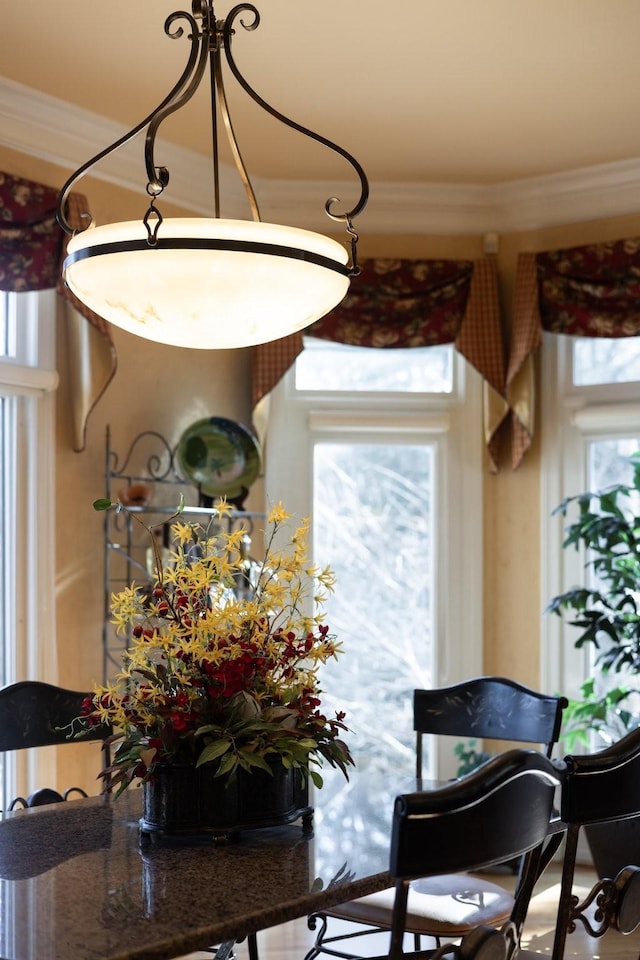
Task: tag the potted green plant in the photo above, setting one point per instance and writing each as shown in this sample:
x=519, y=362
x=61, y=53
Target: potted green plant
x=606, y=612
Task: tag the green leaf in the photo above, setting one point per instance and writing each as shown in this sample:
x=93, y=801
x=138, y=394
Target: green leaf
x=317, y=779
x=254, y=760
x=228, y=765
x=103, y=503
x=207, y=728
x=212, y=751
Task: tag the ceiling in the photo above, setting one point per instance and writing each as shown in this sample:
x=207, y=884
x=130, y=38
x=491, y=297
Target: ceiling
x=463, y=102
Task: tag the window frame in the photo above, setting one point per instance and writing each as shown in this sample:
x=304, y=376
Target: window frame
x=29, y=380
x=572, y=416
x=453, y=423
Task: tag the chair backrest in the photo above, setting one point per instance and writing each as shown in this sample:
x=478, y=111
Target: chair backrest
x=36, y=714
x=599, y=788
x=499, y=812
x=603, y=786
x=491, y=707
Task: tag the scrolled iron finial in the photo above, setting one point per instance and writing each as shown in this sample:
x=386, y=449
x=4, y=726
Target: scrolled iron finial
x=346, y=216
x=239, y=8
x=157, y=177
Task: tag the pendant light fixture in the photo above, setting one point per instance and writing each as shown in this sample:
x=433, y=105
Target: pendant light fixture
x=207, y=282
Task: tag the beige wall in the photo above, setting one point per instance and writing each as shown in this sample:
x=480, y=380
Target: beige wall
x=164, y=388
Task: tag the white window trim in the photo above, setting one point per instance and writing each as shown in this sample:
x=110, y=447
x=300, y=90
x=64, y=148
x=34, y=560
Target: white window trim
x=32, y=376
x=571, y=416
x=453, y=423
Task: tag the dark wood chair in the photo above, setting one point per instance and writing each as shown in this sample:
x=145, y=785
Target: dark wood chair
x=599, y=788
x=37, y=714
x=492, y=708
x=499, y=812
x=448, y=906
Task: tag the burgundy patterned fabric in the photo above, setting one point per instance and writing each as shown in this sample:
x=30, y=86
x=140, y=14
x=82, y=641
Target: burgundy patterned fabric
x=405, y=303
x=32, y=248
x=591, y=291
x=400, y=303
x=33, y=245
x=587, y=291
x=30, y=238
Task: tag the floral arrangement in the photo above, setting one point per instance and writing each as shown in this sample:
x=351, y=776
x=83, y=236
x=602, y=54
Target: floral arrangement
x=216, y=675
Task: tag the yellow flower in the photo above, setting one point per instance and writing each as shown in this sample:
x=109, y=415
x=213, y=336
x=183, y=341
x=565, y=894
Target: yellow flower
x=215, y=674
x=278, y=514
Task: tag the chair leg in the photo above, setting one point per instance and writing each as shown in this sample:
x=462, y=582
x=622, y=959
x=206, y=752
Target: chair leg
x=566, y=896
x=399, y=920
x=252, y=946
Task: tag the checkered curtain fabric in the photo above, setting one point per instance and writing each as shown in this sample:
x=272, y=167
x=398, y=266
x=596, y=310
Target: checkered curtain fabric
x=525, y=340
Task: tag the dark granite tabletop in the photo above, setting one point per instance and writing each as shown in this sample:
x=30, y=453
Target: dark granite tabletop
x=78, y=882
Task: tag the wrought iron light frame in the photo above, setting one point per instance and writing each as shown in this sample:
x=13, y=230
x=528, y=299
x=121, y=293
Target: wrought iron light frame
x=210, y=46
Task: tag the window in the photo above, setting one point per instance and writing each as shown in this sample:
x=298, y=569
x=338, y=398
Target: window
x=330, y=366
x=27, y=379
x=603, y=360
x=591, y=423
x=388, y=464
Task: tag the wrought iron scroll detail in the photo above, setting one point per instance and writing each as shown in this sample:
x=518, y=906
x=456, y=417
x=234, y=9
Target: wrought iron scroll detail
x=160, y=465
x=208, y=39
x=617, y=905
x=228, y=30
x=159, y=177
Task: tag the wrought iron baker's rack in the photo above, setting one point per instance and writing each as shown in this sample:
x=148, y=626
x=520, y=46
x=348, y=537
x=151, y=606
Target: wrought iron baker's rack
x=150, y=461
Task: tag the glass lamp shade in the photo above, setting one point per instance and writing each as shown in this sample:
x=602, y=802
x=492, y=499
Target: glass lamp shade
x=207, y=283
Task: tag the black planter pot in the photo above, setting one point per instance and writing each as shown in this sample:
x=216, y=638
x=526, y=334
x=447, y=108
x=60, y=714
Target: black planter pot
x=614, y=845
x=185, y=801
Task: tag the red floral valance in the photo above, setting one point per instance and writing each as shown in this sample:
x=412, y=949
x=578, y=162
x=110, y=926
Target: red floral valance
x=30, y=239
x=406, y=303
x=400, y=303
x=591, y=291
x=586, y=291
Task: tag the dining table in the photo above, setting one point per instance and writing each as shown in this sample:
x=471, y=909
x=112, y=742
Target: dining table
x=79, y=880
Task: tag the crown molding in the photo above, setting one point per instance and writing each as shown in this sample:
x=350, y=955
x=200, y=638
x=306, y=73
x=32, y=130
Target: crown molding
x=42, y=126
x=39, y=125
